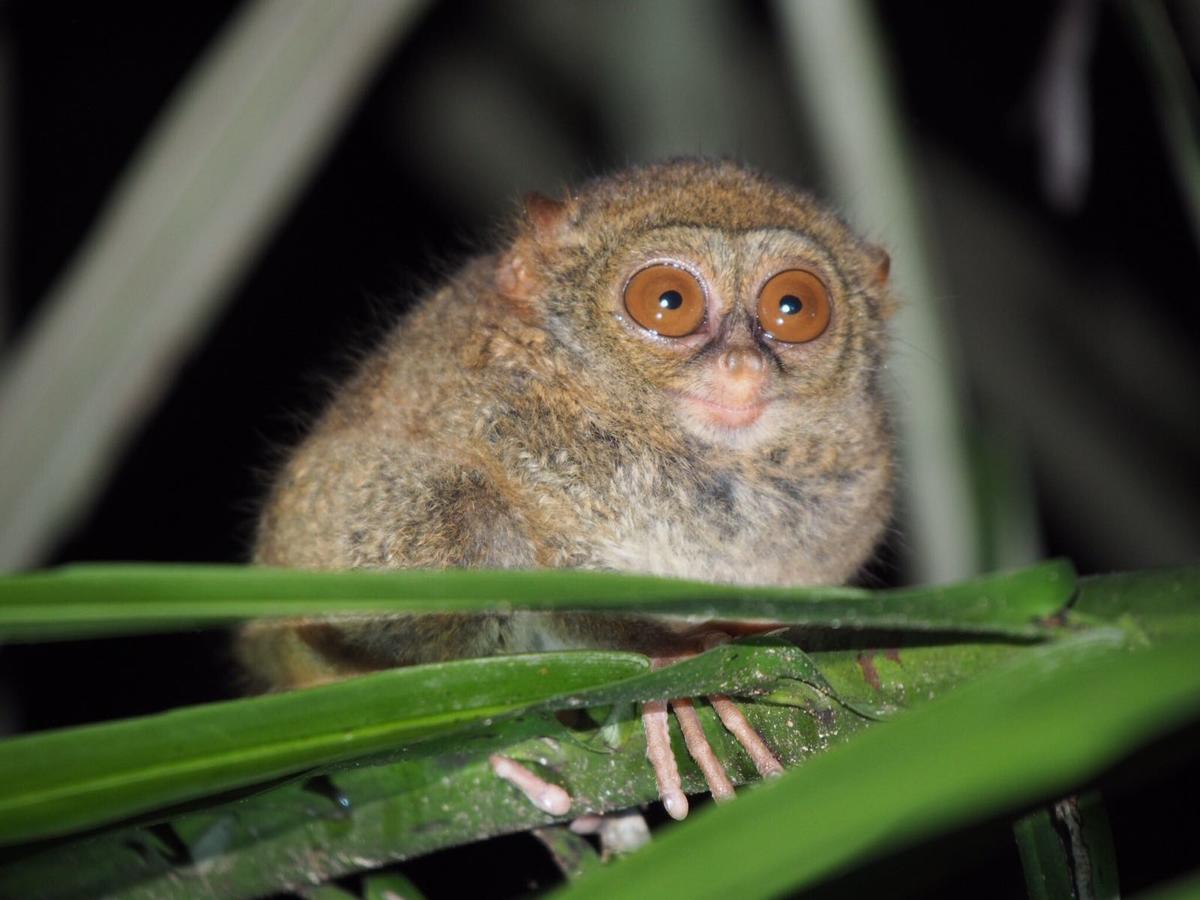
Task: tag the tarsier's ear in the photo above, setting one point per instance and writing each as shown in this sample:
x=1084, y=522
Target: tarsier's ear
x=880, y=262
x=549, y=224
x=551, y=219
x=880, y=267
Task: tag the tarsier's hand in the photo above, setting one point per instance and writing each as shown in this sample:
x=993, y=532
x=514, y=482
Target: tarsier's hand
x=554, y=800
x=658, y=749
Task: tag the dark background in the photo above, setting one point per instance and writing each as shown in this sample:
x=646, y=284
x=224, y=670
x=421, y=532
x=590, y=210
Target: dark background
x=406, y=194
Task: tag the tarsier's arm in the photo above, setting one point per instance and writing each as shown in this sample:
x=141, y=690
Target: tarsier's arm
x=399, y=510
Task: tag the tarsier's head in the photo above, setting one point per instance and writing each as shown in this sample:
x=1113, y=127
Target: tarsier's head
x=739, y=307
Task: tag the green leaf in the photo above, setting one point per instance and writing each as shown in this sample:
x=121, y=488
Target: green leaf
x=1041, y=725
x=1185, y=888
x=1044, y=858
x=1174, y=93
x=81, y=601
x=1067, y=850
x=571, y=852
x=390, y=886
x=61, y=781
x=440, y=792
x=328, y=892
x=1158, y=604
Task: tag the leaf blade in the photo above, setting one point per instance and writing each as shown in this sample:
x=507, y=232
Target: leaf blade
x=859, y=802
x=81, y=601
x=60, y=781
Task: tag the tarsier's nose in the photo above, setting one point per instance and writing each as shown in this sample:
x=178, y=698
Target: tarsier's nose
x=744, y=363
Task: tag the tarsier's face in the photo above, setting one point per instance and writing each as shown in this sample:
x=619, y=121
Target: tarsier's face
x=740, y=309
x=734, y=328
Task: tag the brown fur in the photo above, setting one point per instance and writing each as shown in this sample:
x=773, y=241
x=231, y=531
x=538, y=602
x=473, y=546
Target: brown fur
x=516, y=419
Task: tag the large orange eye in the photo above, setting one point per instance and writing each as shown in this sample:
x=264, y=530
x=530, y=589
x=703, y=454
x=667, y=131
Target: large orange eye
x=794, y=307
x=666, y=300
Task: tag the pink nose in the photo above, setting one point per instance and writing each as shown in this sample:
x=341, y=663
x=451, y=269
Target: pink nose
x=743, y=362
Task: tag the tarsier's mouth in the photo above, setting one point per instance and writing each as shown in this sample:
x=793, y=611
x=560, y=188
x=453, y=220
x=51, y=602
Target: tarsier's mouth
x=724, y=414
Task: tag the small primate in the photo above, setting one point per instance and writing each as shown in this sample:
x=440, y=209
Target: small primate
x=675, y=370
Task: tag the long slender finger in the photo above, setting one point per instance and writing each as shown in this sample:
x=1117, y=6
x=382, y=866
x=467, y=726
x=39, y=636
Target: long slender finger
x=700, y=750
x=549, y=798
x=588, y=823
x=658, y=751
x=736, y=724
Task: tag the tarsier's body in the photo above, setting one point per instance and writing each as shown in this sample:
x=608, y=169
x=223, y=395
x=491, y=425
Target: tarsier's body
x=527, y=414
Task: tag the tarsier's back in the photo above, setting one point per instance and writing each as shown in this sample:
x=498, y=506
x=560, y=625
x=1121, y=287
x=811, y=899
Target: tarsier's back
x=675, y=370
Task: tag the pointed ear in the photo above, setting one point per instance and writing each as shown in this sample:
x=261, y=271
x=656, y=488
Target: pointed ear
x=550, y=219
x=879, y=268
x=879, y=262
x=548, y=224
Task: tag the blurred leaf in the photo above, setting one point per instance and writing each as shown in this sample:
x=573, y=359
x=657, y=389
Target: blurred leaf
x=328, y=892
x=390, y=886
x=1004, y=490
x=1167, y=601
x=845, y=78
x=1174, y=91
x=79, y=601
x=221, y=167
x=1116, y=487
x=572, y=853
x=1186, y=888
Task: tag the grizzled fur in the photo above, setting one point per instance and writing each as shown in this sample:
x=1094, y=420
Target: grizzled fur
x=516, y=418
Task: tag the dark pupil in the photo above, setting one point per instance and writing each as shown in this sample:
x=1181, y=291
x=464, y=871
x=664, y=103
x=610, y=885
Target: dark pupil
x=790, y=304
x=670, y=299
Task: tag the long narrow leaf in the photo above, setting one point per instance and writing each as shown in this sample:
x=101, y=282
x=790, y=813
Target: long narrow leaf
x=1037, y=726
x=1175, y=96
x=1027, y=733
x=1046, y=723
x=62, y=781
x=439, y=793
x=1167, y=601
x=1044, y=859
x=444, y=795
x=77, y=601
x=1067, y=850
x=65, y=780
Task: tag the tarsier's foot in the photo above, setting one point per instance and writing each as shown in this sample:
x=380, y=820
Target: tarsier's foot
x=658, y=739
x=549, y=798
x=554, y=800
x=662, y=757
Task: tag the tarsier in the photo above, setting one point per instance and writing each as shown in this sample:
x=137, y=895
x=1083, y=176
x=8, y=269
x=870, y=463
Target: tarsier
x=675, y=370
